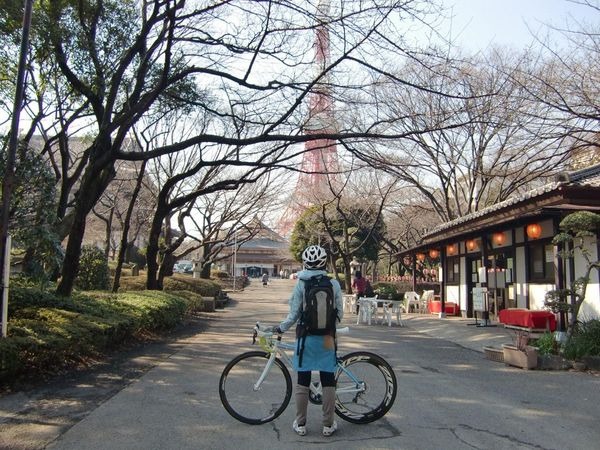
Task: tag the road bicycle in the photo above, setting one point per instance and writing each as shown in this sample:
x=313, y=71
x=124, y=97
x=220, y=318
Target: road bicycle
x=256, y=386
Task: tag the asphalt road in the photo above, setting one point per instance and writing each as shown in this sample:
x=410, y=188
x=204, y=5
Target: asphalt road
x=449, y=397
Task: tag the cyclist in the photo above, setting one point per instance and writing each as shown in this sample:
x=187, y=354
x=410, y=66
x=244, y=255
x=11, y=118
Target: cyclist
x=317, y=352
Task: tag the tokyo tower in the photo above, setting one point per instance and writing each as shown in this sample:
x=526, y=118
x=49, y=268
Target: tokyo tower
x=319, y=160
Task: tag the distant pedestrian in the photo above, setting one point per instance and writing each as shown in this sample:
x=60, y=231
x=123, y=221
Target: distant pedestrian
x=369, y=292
x=359, y=284
x=265, y=279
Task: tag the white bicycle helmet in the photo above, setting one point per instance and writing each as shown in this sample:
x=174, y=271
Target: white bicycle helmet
x=314, y=257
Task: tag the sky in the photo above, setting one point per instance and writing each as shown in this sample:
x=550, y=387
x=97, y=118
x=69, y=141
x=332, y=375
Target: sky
x=478, y=23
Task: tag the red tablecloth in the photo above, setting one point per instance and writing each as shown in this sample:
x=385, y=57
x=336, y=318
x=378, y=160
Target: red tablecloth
x=435, y=306
x=527, y=318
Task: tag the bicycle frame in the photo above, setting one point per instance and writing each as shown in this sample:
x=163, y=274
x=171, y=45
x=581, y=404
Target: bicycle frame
x=276, y=348
x=365, y=389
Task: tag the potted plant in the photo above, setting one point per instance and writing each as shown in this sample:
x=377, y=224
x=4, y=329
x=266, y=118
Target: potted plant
x=520, y=355
x=385, y=291
x=526, y=358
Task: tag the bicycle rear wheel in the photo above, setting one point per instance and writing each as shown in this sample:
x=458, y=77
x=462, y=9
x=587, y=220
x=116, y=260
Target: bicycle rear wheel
x=243, y=400
x=366, y=387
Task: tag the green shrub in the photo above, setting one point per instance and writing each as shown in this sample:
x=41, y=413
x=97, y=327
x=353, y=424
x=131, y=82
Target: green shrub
x=129, y=283
x=387, y=290
x=585, y=341
x=178, y=282
x=547, y=344
x=194, y=300
x=93, y=270
x=47, y=332
x=341, y=276
x=219, y=274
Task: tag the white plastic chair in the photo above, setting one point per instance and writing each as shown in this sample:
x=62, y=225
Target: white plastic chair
x=366, y=310
x=411, y=298
x=391, y=308
x=349, y=302
x=424, y=301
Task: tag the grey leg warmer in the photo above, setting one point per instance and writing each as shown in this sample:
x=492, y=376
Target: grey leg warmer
x=301, y=403
x=328, y=405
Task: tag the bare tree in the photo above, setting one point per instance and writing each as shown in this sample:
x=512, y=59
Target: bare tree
x=229, y=218
x=126, y=224
x=481, y=145
x=566, y=82
x=249, y=65
x=348, y=219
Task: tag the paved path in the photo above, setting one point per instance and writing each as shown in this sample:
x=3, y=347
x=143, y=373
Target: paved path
x=450, y=396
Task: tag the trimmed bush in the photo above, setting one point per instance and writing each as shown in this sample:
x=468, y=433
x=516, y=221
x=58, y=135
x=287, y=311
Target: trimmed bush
x=206, y=288
x=48, y=332
x=220, y=274
x=387, y=290
x=177, y=282
x=129, y=283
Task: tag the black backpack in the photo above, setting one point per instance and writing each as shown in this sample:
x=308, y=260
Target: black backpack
x=318, y=310
x=319, y=314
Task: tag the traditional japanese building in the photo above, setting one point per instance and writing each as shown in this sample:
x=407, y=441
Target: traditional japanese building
x=266, y=252
x=507, y=249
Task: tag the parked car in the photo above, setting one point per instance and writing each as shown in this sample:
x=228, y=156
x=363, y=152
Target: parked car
x=183, y=267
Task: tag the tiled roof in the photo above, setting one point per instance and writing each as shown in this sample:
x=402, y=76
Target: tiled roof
x=262, y=243
x=587, y=177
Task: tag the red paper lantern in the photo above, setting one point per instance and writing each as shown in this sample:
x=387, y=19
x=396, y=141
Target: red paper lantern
x=499, y=238
x=471, y=244
x=433, y=253
x=420, y=256
x=533, y=230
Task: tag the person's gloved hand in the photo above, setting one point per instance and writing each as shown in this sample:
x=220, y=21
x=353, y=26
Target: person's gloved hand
x=275, y=329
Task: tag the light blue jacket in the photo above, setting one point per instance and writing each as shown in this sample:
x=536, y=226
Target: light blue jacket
x=297, y=298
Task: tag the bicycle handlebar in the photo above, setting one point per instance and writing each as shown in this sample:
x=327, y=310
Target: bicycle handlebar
x=260, y=330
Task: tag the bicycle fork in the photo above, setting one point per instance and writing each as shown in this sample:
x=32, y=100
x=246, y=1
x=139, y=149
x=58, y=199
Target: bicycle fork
x=265, y=371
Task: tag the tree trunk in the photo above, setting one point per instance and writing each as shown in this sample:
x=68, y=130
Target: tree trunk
x=92, y=187
x=125, y=245
x=152, y=251
x=205, y=271
x=109, y=225
x=152, y=255
x=166, y=268
x=73, y=252
x=348, y=276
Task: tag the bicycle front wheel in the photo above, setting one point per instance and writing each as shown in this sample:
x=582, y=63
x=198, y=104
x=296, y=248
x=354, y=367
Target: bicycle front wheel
x=247, y=400
x=366, y=387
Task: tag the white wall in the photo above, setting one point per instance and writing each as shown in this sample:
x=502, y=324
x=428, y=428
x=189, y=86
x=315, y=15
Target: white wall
x=459, y=293
x=590, y=309
x=537, y=295
x=520, y=277
x=453, y=295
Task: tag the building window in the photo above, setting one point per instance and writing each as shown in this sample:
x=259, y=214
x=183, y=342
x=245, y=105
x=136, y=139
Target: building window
x=541, y=262
x=452, y=269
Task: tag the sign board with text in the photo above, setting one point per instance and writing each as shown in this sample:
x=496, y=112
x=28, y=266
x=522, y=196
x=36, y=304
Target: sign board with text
x=479, y=294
